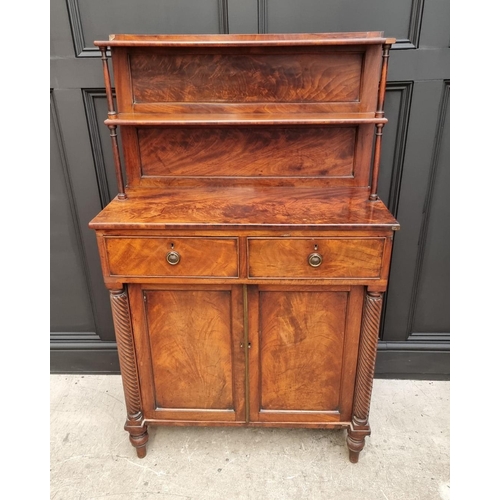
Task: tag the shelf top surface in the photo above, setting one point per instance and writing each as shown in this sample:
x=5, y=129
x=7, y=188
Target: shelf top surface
x=246, y=207
x=277, y=39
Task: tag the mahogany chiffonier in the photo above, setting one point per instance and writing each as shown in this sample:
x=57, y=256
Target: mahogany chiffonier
x=247, y=251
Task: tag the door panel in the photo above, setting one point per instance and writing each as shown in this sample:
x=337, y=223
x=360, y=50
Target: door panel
x=196, y=361
x=301, y=347
x=303, y=352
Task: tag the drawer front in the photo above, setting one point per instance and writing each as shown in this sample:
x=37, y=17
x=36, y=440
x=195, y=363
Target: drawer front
x=189, y=257
x=343, y=258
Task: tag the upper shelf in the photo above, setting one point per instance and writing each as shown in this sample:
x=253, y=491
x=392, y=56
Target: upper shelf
x=231, y=119
x=273, y=74
x=352, y=38
x=238, y=110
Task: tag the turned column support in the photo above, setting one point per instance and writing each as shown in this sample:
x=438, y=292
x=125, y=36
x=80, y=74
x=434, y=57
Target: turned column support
x=112, y=128
x=126, y=353
x=360, y=428
x=379, y=114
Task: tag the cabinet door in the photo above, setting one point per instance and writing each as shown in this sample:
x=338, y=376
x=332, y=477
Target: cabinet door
x=303, y=354
x=191, y=358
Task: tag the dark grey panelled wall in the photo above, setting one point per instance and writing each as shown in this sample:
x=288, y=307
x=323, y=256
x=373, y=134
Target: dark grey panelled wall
x=414, y=177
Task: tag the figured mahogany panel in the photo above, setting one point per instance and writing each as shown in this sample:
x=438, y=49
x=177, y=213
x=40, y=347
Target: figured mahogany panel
x=246, y=207
x=147, y=256
x=301, y=347
x=224, y=75
x=341, y=257
x=247, y=152
x=191, y=348
x=303, y=356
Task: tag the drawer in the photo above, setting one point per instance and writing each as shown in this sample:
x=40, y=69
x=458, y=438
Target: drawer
x=189, y=257
x=347, y=258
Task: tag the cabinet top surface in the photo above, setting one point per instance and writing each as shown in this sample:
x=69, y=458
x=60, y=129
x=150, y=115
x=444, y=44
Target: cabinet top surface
x=250, y=207
x=350, y=38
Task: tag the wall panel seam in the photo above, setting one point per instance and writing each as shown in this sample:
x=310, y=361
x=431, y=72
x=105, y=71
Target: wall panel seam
x=72, y=203
x=424, y=226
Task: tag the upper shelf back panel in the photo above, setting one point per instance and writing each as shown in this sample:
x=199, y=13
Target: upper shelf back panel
x=296, y=79
x=239, y=110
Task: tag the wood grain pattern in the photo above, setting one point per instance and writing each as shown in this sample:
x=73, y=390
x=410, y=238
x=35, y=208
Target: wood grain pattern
x=367, y=352
x=301, y=349
x=342, y=258
x=266, y=40
x=304, y=343
x=117, y=163
x=107, y=81
x=163, y=76
x=147, y=256
x=247, y=152
x=123, y=83
x=334, y=425
x=254, y=156
x=193, y=323
x=360, y=427
x=242, y=114
x=123, y=328
x=317, y=82
x=190, y=336
x=126, y=352
x=245, y=207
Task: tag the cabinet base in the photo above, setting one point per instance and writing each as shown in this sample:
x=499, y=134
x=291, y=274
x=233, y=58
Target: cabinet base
x=355, y=434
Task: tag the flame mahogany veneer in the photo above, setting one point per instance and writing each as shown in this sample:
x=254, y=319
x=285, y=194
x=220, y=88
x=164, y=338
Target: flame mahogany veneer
x=247, y=251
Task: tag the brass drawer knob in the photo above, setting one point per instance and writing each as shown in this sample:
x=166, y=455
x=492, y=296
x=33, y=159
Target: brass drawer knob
x=315, y=259
x=173, y=258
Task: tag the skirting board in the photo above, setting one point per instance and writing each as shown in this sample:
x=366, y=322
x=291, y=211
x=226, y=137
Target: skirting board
x=394, y=360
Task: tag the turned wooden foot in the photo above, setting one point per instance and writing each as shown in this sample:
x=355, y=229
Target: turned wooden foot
x=356, y=441
x=138, y=438
x=139, y=442
x=353, y=456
